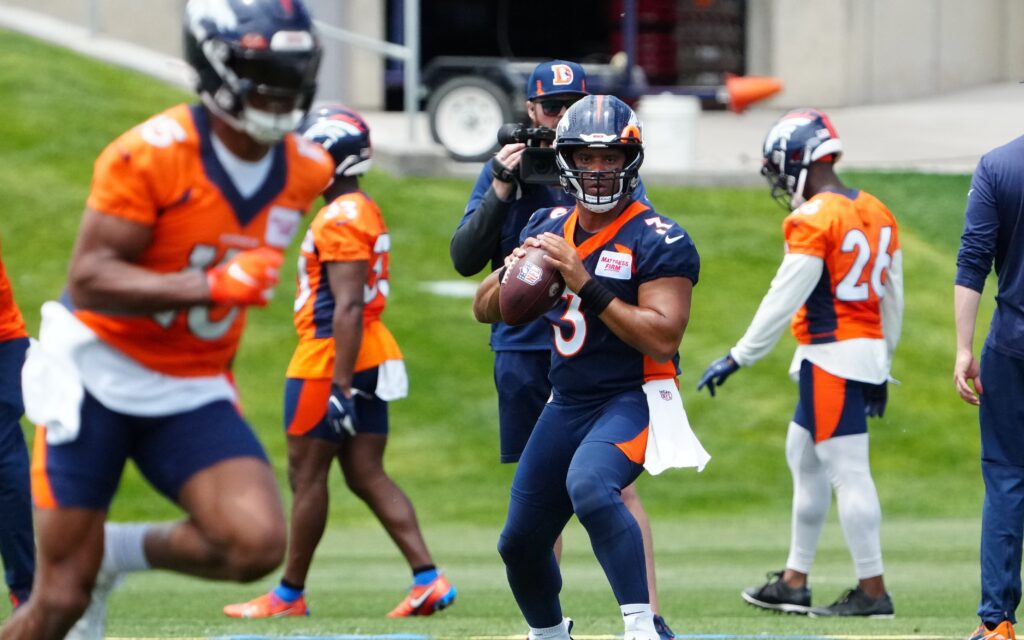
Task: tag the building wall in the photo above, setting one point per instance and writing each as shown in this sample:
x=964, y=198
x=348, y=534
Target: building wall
x=844, y=52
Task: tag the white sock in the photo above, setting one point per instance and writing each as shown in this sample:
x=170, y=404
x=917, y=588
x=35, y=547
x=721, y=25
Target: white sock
x=558, y=632
x=123, y=548
x=638, y=620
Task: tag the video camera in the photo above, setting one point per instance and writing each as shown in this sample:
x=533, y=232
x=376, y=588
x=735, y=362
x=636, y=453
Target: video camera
x=538, y=163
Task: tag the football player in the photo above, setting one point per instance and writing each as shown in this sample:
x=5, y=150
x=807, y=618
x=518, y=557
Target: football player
x=498, y=209
x=183, y=231
x=629, y=274
x=17, y=544
x=345, y=370
x=840, y=286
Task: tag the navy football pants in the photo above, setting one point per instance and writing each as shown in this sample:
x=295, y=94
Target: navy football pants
x=1002, y=467
x=571, y=465
x=17, y=545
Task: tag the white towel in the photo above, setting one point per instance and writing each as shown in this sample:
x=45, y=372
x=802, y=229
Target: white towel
x=392, y=380
x=671, y=442
x=50, y=382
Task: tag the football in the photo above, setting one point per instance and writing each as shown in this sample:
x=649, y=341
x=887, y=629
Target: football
x=530, y=288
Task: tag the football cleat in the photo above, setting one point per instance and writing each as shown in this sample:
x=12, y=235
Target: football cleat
x=93, y=622
x=1002, y=631
x=267, y=606
x=424, y=600
x=857, y=603
x=664, y=631
x=776, y=595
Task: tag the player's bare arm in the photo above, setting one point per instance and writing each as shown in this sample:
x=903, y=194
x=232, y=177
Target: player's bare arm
x=656, y=324
x=103, y=276
x=347, y=280
x=967, y=370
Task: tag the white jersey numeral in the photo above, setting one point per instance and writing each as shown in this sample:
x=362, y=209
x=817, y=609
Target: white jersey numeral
x=850, y=288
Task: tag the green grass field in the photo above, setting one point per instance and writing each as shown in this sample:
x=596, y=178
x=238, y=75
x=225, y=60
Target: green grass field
x=715, y=532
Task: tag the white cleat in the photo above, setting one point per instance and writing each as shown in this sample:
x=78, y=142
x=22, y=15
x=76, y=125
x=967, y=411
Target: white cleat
x=93, y=622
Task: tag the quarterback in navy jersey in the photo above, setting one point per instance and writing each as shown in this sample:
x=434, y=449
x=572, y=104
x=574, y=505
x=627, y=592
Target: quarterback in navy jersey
x=629, y=275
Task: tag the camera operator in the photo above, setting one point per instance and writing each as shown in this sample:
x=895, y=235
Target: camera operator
x=499, y=207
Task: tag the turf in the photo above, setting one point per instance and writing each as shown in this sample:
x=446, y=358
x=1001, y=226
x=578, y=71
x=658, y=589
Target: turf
x=715, y=532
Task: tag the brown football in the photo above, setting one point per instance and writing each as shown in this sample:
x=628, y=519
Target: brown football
x=530, y=288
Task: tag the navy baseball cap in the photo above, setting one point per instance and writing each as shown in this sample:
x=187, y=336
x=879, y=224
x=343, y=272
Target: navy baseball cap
x=556, y=78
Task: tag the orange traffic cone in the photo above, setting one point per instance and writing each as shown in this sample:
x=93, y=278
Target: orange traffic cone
x=745, y=90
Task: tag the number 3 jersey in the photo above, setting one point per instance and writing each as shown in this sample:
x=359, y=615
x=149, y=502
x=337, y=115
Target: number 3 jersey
x=840, y=287
x=165, y=174
x=588, y=361
x=349, y=229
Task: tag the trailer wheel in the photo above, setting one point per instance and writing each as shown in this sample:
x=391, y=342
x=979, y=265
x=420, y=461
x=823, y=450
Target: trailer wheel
x=465, y=114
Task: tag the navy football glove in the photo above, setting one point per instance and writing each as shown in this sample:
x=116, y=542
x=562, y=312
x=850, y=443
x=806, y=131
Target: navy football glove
x=716, y=373
x=341, y=412
x=875, y=397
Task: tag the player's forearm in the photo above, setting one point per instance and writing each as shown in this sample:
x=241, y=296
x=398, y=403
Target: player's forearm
x=109, y=284
x=646, y=330
x=347, y=327
x=485, y=303
x=966, y=302
x=475, y=243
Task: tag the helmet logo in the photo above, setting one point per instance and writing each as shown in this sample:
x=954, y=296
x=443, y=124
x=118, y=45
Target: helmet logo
x=561, y=74
x=253, y=41
x=292, y=41
x=631, y=133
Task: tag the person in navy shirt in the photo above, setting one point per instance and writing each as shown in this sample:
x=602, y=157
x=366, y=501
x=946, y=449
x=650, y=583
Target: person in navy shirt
x=994, y=229
x=629, y=275
x=499, y=207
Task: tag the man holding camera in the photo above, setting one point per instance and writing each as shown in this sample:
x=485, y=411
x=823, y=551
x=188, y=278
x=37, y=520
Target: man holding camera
x=499, y=207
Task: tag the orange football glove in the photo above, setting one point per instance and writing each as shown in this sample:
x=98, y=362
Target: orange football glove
x=248, y=277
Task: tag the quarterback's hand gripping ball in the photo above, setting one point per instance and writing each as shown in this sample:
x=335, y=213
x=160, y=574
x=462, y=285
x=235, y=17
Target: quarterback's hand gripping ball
x=530, y=288
x=248, y=278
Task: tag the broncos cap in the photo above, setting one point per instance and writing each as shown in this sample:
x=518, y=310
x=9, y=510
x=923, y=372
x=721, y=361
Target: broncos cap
x=556, y=78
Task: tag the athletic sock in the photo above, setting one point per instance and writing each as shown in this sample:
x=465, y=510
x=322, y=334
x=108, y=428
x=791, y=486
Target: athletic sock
x=123, y=546
x=638, y=620
x=558, y=632
x=288, y=592
x=422, y=576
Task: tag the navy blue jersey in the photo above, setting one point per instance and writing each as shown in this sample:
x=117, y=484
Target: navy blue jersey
x=589, y=361
x=534, y=335
x=994, y=230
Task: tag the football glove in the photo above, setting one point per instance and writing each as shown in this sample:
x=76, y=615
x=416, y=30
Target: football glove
x=248, y=277
x=341, y=412
x=875, y=397
x=716, y=373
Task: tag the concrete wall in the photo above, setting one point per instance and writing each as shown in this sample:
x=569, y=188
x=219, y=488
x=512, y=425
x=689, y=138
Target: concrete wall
x=844, y=52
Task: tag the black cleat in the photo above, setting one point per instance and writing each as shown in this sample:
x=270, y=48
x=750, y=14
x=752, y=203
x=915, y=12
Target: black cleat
x=857, y=603
x=776, y=595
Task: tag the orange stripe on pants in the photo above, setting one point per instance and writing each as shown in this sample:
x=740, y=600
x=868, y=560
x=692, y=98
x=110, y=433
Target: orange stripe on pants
x=42, y=492
x=636, y=449
x=311, y=406
x=829, y=399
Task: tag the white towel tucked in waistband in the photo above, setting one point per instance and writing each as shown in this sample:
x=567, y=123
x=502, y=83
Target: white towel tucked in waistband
x=671, y=442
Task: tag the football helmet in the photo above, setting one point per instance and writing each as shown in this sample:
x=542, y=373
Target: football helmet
x=255, y=62
x=599, y=121
x=344, y=134
x=797, y=140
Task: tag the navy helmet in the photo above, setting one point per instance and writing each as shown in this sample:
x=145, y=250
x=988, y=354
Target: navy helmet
x=344, y=134
x=255, y=62
x=599, y=121
x=796, y=141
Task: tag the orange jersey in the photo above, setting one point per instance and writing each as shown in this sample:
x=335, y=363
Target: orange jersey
x=164, y=174
x=12, y=325
x=856, y=238
x=350, y=229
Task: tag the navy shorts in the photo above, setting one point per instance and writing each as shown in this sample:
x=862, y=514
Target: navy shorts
x=521, y=378
x=305, y=407
x=829, y=406
x=168, y=450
